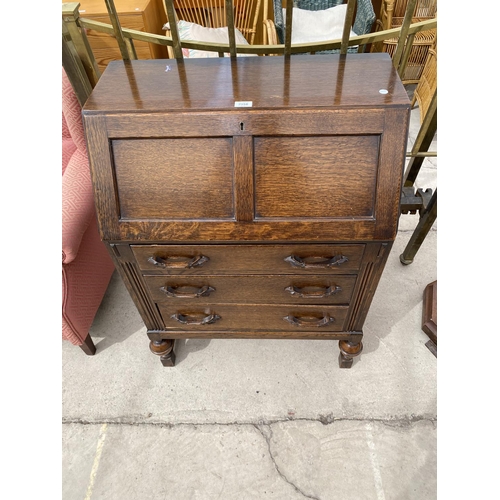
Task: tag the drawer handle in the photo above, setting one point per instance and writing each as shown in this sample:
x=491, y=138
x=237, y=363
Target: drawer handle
x=336, y=260
x=186, y=320
x=324, y=321
x=173, y=262
x=170, y=291
x=321, y=294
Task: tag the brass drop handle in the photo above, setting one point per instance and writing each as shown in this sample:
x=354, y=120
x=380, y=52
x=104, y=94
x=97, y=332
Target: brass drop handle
x=324, y=321
x=173, y=262
x=336, y=260
x=186, y=320
x=203, y=291
x=321, y=294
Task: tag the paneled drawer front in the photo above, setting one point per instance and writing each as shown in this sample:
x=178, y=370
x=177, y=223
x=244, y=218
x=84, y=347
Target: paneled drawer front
x=226, y=317
x=249, y=259
x=286, y=289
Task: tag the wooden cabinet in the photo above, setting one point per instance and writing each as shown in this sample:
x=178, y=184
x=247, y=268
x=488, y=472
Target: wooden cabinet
x=254, y=198
x=142, y=15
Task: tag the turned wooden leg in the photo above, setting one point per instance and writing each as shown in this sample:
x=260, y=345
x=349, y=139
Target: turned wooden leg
x=164, y=349
x=88, y=346
x=348, y=351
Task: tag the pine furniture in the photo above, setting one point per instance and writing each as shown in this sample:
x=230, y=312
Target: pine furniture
x=141, y=15
x=255, y=197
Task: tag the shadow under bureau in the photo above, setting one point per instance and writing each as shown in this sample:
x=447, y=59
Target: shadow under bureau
x=249, y=198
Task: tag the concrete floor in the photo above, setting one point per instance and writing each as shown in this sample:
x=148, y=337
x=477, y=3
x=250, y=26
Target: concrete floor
x=255, y=419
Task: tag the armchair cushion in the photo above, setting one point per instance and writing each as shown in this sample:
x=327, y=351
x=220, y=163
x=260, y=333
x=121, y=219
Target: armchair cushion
x=319, y=25
x=313, y=5
x=77, y=204
x=77, y=194
x=196, y=32
x=365, y=16
x=87, y=266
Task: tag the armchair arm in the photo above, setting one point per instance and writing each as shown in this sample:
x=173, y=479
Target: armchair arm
x=270, y=36
x=170, y=50
x=77, y=204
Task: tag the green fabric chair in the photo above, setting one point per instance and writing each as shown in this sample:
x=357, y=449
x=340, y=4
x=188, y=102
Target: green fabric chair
x=365, y=17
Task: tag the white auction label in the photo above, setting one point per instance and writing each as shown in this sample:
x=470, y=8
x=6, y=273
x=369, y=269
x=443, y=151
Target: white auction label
x=243, y=104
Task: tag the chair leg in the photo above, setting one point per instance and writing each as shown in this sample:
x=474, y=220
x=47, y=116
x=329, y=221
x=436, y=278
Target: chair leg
x=427, y=218
x=88, y=346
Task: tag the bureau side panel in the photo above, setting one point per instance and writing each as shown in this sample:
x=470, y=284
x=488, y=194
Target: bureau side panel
x=391, y=167
x=372, y=266
x=101, y=171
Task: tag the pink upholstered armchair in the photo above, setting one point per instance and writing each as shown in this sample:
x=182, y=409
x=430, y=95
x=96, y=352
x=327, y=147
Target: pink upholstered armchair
x=86, y=264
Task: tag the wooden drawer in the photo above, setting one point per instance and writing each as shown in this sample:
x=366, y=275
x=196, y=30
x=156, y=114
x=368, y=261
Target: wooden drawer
x=141, y=15
x=106, y=45
x=237, y=317
x=286, y=289
x=249, y=259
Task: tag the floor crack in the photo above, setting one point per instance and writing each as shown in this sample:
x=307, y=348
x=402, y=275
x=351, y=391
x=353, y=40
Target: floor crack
x=329, y=419
x=266, y=432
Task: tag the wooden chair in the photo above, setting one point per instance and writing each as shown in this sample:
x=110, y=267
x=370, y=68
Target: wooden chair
x=392, y=13
x=427, y=84
x=275, y=31
x=423, y=201
x=212, y=14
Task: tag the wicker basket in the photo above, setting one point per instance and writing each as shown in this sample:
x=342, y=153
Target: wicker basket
x=427, y=84
x=391, y=16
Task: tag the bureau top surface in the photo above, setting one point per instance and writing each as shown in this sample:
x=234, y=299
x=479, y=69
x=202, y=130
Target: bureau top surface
x=258, y=83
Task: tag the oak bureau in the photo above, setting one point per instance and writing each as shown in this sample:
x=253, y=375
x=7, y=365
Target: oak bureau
x=249, y=198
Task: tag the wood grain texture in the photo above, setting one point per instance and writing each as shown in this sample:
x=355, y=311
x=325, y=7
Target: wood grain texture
x=249, y=259
x=373, y=264
x=306, y=177
x=101, y=171
x=297, y=82
x=253, y=317
x=258, y=222
x=390, y=180
x=306, y=122
x=272, y=289
x=131, y=276
x=255, y=334
x=257, y=231
x=243, y=177
x=142, y=15
x=328, y=146
x=174, y=178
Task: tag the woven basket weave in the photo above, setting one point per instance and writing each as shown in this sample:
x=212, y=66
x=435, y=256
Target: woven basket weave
x=423, y=41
